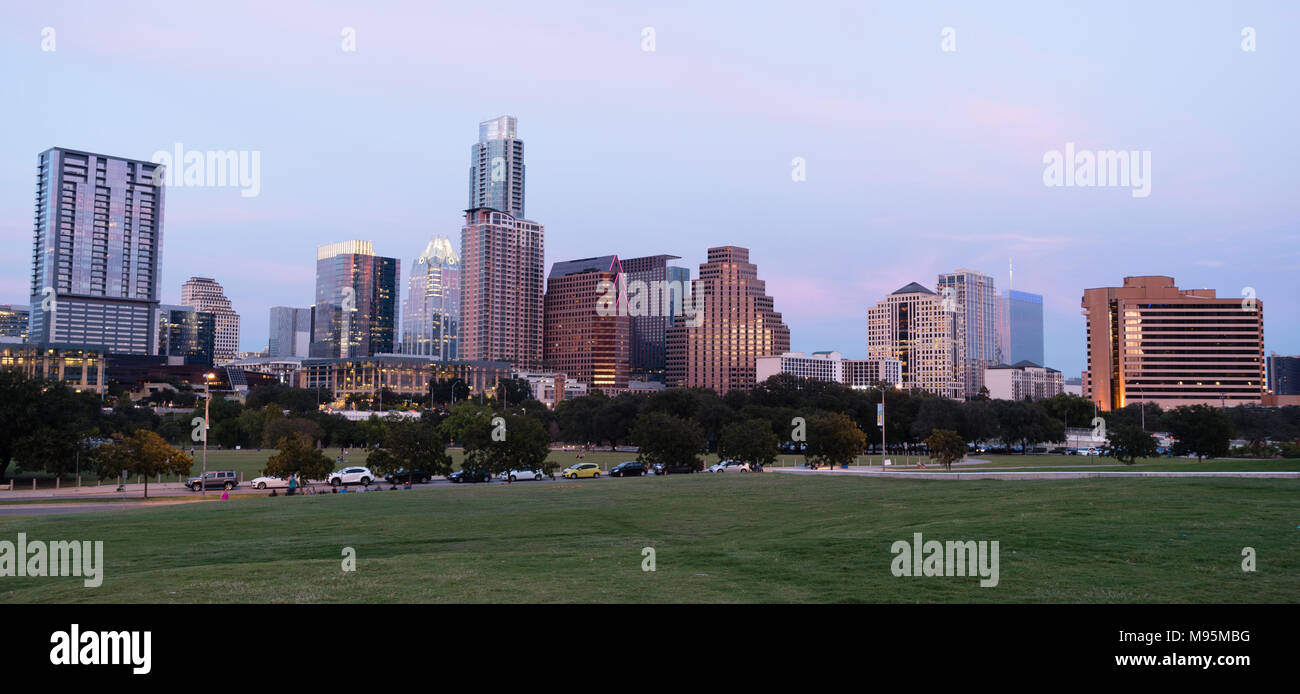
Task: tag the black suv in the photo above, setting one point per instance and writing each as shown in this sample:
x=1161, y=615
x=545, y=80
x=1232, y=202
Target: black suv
x=214, y=479
x=630, y=468
x=402, y=476
x=470, y=476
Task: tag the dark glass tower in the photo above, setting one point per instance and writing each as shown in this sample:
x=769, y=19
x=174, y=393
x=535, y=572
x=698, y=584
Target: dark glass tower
x=356, y=301
x=97, y=256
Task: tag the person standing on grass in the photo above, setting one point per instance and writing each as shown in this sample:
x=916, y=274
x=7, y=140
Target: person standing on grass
x=293, y=484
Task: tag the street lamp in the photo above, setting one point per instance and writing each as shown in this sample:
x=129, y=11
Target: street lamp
x=207, y=407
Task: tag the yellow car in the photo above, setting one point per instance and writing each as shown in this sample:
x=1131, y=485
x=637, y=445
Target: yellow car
x=577, y=470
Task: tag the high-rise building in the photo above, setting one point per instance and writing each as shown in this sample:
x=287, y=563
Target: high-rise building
x=501, y=288
x=1019, y=328
x=14, y=319
x=290, y=332
x=586, y=342
x=186, y=336
x=431, y=311
x=96, y=260
x=666, y=288
x=1149, y=341
x=734, y=322
x=970, y=296
x=205, y=294
x=496, y=170
x=356, y=301
x=1283, y=374
x=912, y=326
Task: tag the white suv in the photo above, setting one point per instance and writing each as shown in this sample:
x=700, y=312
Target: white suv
x=351, y=475
x=516, y=475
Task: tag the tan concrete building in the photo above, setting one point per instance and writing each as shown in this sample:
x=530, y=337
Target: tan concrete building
x=737, y=323
x=912, y=326
x=1023, y=380
x=1149, y=341
x=206, y=294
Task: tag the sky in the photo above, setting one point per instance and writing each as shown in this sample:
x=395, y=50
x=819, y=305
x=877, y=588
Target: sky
x=922, y=132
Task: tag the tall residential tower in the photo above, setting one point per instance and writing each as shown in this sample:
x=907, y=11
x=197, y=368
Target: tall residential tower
x=205, y=294
x=97, y=255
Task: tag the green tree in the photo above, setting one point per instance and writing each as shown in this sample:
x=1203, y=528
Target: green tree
x=297, y=457
x=142, y=453
x=751, y=441
x=410, y=444
x=834, y=438
x=1201, y=430
x=1128, y=442
x=946, y=447
x=668, y=439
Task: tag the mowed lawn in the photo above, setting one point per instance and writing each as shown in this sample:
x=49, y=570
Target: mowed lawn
x=768, y=537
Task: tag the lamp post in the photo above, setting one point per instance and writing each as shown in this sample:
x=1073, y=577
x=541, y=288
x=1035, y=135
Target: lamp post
x=207, y=407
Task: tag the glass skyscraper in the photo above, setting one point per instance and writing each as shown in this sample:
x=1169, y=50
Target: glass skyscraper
x=431, y=311
x=650, y=331
x=186, y=336
x=496, y=172
x=1020, y=328
x=356, y=301
x=96, y=260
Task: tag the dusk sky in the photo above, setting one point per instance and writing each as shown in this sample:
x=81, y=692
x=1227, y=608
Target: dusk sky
x=918, y=160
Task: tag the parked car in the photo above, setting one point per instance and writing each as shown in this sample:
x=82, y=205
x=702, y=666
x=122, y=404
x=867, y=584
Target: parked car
x=726, y=465
x=470, y=476
x=674, y=468
x=578, y=470
x=214, y=479
x=1090, y=451
x=401, y=476
x=270, y=482
x=627, y=468
x=351, y=475
x=516, y=475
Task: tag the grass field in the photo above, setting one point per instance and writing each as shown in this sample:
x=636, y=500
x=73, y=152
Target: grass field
x=718, y=538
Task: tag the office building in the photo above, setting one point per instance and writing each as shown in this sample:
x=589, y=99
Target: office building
x=1023, y=380
x=1283, y=374
x=973, y=301
x=205, y=294
x=431, y=310
x=290, y=332
x=734, y=322
x=501, y=304
x=552, y=387
x=496, y=171
x=186, y=336
x=96, y=259
x=588, y=342
x=356, y=301
x=912, y=326
x=14, y=319
x=830, y=366
x=82, y=368
x=408, y=376
x=664, y=289
x=1149, y=341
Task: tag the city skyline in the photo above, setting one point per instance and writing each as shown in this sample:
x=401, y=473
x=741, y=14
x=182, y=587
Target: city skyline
x=955, y=180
